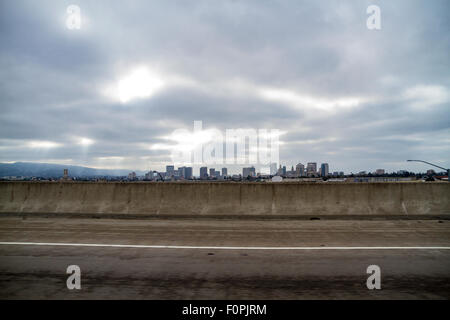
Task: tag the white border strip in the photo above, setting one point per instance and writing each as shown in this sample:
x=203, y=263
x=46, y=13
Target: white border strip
x=212, y=247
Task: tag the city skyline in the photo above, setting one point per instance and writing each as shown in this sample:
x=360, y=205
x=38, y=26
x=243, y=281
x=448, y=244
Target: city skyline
x=295, y=172
x=272, y=170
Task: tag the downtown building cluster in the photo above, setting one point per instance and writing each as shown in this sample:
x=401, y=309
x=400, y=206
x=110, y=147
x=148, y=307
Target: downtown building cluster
x=205, y=173
x=182, y=173
x=300, y=170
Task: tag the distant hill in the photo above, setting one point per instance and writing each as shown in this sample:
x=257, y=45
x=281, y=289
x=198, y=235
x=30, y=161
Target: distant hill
x=48, y=170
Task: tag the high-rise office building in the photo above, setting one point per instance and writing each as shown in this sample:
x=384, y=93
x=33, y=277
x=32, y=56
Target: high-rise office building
x=185, y=172
x=273, y=169
x=246, y=172
x=188, y=172
x=203, y=173
x=311, y=168
x=324, y=169
x=280, y=171
x=149, y=175
x=300, y=170
x=170, y=171
x=212, y=172
x=224, y=172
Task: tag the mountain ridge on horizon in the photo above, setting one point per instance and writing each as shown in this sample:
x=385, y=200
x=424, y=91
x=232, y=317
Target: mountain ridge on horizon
x=52, y=170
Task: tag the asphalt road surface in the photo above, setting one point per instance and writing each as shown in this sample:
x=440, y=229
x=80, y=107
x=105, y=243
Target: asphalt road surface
x=223, y=259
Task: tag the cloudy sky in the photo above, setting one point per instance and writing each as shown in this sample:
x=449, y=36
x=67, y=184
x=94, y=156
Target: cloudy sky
x=111, y=93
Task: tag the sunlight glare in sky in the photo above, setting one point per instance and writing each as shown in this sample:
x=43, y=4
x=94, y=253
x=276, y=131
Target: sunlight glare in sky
x=140, y=83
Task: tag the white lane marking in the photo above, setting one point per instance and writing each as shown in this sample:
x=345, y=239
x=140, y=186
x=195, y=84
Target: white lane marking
x=212, y=247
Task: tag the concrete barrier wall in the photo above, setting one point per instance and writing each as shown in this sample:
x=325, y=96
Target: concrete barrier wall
x=227, y=198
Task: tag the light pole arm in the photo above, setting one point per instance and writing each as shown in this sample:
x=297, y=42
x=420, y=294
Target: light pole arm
x=448, y=170
x=429, y=164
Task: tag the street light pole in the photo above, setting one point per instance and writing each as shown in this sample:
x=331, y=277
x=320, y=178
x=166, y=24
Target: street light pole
x=448, y=170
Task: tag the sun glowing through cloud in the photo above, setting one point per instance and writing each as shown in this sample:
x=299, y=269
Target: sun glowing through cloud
x=85, y=141
x=140, y=83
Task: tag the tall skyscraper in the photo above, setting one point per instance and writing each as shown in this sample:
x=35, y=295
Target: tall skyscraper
x=311, y=168
x=224, y=172
x=188, y=172
x=203, y=172
x=212, y=172
x=170, y=171
x=185, y=172
x=280, y=171
x=300, y=170
x=248, y=172
x=273, y=169
x=149, y=175
x=325, y=170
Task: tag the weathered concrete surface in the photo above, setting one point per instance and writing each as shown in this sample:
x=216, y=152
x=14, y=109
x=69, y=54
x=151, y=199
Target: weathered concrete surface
x=227, y=199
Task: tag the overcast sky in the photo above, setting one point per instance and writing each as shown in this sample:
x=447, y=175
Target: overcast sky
x=356, y=98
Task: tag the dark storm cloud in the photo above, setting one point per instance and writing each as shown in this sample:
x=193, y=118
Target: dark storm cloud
x=219, y=60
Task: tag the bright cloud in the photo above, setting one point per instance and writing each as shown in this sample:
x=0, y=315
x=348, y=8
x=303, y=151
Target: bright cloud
x=43, y=144
x=304, y=101
x=424, y=96
x=140, y=83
